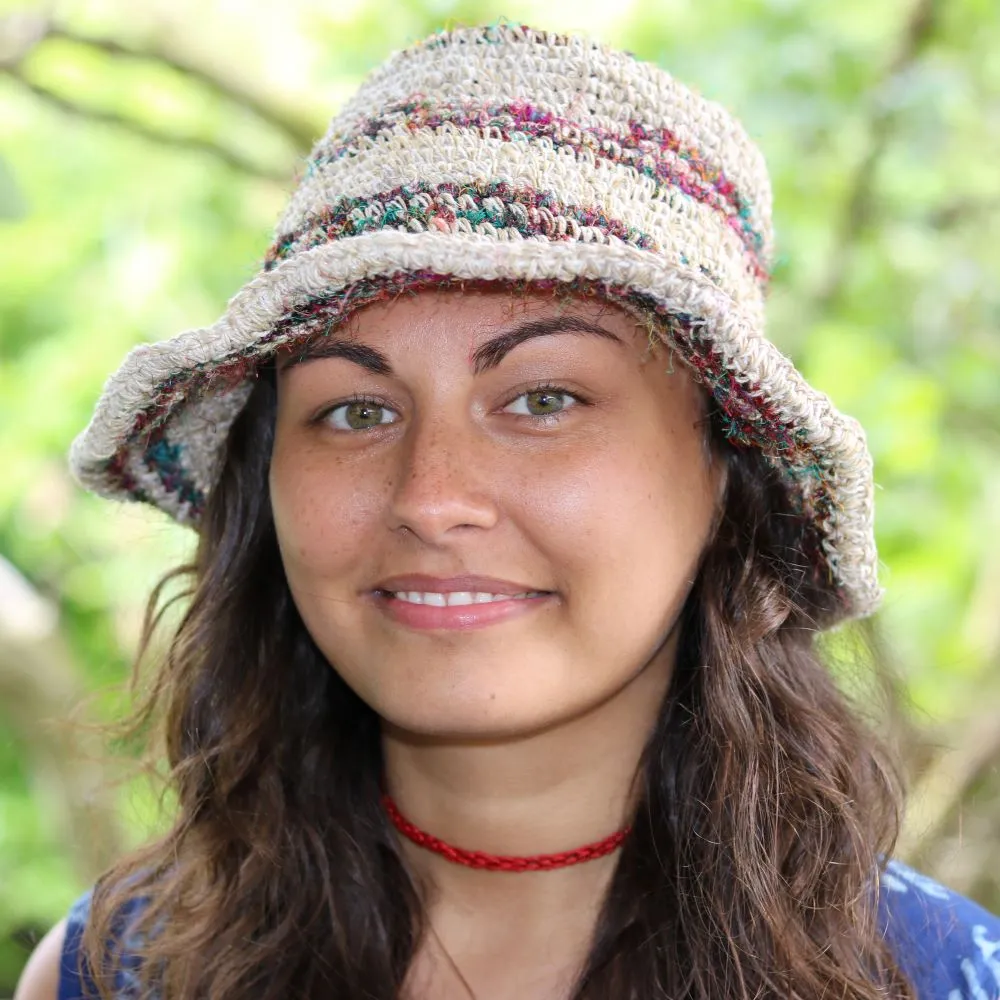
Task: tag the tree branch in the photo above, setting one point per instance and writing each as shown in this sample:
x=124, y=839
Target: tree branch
x=175, y=140
x=21, y=34
x=946, y=781
x=883, y=120
x=961, y=210
x=300, y=134
x=39, y=687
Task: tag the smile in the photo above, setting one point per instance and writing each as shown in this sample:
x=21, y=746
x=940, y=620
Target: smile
x=459, y=599
x=457, y=610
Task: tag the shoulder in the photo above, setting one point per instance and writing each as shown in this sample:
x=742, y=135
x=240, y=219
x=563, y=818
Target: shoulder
x=56, y=970
x=52, y=972
x=40, y=979
x=948, y=945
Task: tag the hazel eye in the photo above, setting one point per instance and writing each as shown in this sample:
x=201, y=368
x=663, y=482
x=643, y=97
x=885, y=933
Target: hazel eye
x=360, y=415
x=541, y=403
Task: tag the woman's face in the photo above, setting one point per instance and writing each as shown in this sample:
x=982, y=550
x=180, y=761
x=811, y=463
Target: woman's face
x=490, y=506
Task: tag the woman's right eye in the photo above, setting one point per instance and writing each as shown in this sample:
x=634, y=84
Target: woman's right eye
x=360, y=415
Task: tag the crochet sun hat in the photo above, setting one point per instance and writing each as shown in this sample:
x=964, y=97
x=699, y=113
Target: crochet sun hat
x=505, y=154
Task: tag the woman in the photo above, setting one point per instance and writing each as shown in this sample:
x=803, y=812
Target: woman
x=515, y=534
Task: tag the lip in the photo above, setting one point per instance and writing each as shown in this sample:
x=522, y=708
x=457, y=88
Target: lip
x=463, y=617
x=452, y=585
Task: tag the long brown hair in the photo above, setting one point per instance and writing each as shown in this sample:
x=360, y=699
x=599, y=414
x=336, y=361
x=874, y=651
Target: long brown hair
x=751, y=872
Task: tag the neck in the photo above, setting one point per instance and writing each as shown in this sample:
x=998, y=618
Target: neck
x=537, y=793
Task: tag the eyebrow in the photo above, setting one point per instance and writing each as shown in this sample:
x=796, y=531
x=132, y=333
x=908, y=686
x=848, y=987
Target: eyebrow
x=486, y=356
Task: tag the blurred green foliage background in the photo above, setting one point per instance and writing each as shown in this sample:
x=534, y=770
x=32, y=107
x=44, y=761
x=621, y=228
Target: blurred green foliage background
x=145, y=152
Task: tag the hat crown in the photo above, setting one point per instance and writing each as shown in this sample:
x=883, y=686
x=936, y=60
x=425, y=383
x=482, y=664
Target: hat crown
x=562, y=118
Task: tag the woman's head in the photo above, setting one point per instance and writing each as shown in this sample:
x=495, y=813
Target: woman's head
x=542, y=444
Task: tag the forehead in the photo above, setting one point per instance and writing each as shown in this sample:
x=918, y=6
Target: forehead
x=488, y=307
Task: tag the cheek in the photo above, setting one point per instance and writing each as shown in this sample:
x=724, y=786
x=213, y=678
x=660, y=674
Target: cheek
x=321, y=511
x=672, y=506
x=627, y=521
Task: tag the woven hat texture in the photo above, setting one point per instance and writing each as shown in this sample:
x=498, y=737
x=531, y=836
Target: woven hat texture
x=513, y=155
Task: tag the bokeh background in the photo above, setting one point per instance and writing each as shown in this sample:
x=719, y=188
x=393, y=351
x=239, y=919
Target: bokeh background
x=146, y=149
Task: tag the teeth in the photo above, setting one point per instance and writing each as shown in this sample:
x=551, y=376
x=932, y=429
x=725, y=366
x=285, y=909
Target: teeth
x=456, y=599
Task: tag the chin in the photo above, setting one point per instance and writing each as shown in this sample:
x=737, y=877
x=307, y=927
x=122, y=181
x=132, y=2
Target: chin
x=488, y=725
x=490, y=716
x=513, y=710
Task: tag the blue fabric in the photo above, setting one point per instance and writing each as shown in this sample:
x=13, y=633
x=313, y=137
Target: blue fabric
x=947, y=945
x=75, y=984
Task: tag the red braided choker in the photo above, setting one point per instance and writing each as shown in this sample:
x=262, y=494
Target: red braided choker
x=499, y=862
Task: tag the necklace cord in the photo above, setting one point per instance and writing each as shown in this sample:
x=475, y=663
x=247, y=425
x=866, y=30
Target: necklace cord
x=499, y=862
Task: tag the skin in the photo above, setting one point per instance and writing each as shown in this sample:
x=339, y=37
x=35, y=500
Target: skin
x=40, y=978
x=522, y=737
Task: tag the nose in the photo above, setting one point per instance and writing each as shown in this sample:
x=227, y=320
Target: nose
x=441, y=481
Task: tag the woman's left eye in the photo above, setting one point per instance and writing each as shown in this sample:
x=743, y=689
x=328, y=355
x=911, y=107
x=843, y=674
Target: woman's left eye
x=541, y=403
x=360, y=415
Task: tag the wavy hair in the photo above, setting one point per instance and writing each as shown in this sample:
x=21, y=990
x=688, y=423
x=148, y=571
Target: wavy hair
x=767, y=805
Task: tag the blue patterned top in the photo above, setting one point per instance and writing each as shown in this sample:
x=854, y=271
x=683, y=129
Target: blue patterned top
x=947, y=945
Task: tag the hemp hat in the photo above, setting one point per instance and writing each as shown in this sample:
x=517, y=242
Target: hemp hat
x=513, y=155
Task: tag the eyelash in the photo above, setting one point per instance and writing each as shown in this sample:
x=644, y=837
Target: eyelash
x=544, y=418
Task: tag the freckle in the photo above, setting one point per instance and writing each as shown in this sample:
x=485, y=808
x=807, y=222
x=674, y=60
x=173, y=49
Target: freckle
x=493, y=696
